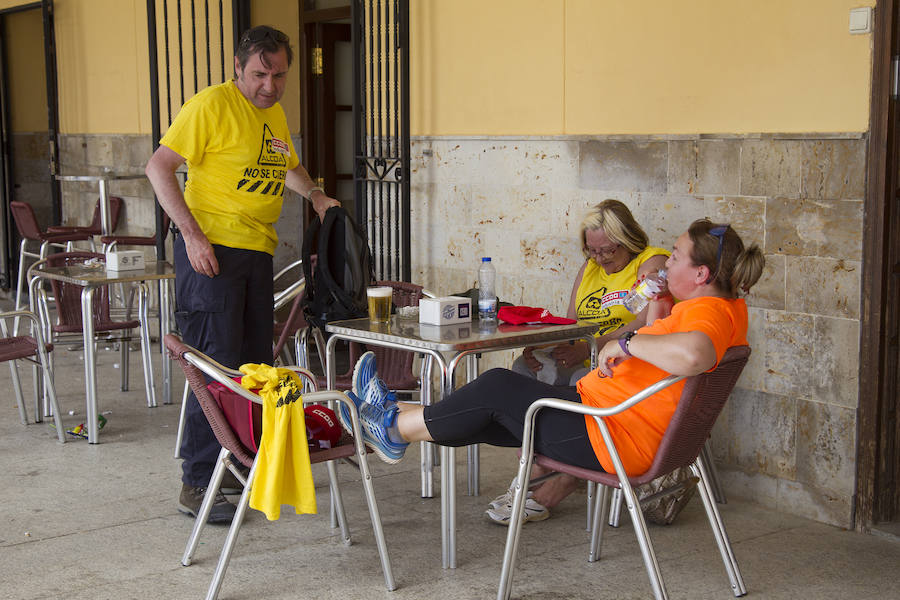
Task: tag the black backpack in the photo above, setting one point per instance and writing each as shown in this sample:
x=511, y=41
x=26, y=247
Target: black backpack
x=343, y=269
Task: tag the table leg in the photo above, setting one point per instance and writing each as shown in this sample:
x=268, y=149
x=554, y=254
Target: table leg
x=427, y=448
x=90, y=363
x=149, y=387
x=329, y=384
x=472, y=451
x=165, y=327
x=104, y=206
x=448, y=486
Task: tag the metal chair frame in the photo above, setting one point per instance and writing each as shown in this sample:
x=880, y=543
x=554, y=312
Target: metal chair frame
x=36, y=351
x=683, y=427
x=30, y=231
x=232, y=448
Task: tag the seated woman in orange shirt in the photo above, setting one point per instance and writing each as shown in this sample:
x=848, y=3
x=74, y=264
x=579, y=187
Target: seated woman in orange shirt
x=706, y=271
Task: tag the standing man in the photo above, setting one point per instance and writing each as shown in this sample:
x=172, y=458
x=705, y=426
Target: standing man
x=235, y=140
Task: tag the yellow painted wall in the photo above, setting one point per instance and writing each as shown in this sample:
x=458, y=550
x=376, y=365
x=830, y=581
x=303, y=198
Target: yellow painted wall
x=103, y=66
x=27, y=76
x=4, y=4
x=487, y=67
x=286, y=17
x=508, y=67
x=532, y=67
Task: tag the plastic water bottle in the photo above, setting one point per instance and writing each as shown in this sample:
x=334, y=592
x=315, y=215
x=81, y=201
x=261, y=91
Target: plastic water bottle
x=651, y=286
x=487, y=296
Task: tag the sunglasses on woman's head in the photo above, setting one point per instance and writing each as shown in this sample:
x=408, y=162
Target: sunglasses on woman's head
x=718, y=232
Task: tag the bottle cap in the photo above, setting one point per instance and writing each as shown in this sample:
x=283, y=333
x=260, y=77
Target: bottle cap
x=485, y=259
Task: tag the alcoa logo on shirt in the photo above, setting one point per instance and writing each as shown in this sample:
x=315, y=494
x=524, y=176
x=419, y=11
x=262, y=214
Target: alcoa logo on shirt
x=597, y=304
x=273, y=152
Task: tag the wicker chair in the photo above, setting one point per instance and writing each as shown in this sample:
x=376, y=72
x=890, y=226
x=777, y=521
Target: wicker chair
x=197, y=368
x=30, y=231
x=33, y=349
x=96, y=227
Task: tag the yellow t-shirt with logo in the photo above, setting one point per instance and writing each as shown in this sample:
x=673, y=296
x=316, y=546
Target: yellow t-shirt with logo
x=237, y=157
x=601, y=295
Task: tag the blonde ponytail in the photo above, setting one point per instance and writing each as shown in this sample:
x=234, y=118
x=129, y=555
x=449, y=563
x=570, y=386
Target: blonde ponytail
x=747, y=269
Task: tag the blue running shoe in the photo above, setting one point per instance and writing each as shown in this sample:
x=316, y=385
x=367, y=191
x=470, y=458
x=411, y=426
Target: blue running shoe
x=363, y=373
x=344, y=412
x=375, y=422
x=367, y=384
x=377, y=410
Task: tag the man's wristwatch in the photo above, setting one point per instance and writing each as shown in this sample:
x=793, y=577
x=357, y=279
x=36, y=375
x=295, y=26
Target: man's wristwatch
x=313, y=189
x=623, y=342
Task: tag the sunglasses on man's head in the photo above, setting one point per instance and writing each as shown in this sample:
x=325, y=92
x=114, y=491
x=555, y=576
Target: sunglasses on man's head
x=254, y=36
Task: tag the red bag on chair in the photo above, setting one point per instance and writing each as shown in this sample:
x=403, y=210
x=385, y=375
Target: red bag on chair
x=244, y=416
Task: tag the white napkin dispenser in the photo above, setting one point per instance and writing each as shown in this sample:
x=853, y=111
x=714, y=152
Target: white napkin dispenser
x=124, y=260
x=447, y=310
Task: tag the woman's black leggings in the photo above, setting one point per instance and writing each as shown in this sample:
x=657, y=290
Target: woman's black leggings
x=491, y=410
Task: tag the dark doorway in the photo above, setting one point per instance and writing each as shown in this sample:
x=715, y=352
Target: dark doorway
x=878, y=472
x=29, y=123
x=327, y=98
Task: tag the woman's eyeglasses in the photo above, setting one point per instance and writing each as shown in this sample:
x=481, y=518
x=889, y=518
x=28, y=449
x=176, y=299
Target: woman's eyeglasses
x=602, y=252
x=718, y=232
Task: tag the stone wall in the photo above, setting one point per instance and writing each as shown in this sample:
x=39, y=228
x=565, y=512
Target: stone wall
x=787, y=437
x=30, y=158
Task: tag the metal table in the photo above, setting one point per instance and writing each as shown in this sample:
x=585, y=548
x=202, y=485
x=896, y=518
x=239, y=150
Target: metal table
x=102, y=182
x=448, y=345
x=90, y=278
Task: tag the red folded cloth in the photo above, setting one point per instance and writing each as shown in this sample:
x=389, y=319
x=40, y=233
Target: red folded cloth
x=520, y=315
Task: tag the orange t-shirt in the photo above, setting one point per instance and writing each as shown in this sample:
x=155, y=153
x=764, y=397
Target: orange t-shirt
x=638, y=431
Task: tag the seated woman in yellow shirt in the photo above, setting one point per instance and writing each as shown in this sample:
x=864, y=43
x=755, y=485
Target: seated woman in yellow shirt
x=616, y=254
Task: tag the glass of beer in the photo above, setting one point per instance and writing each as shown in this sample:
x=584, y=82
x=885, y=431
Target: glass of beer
x=380, y=303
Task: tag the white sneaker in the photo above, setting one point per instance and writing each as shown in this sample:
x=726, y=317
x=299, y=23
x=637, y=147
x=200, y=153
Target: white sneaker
x=500, y=509
x=506, y=497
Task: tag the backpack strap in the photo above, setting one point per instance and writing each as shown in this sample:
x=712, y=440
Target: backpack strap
x=359, y=250
x=306, y=255
x=325, y=270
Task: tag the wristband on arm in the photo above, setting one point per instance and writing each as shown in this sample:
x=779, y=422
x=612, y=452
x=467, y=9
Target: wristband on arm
x=624, y=340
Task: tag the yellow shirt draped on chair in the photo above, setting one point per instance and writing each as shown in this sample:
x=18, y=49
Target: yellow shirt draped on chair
x=283, y=472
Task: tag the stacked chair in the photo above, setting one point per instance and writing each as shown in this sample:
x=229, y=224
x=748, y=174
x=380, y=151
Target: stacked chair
x=96, y=227
x=30, y=232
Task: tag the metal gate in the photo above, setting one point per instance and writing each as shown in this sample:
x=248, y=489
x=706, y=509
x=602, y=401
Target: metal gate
x=193, y=41
x=381, y=131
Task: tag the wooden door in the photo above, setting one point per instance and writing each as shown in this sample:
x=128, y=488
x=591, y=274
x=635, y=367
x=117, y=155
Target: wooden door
x=878, y=462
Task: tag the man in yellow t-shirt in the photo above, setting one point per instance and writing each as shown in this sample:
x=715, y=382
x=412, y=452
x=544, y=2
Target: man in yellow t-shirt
x=235, y=140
